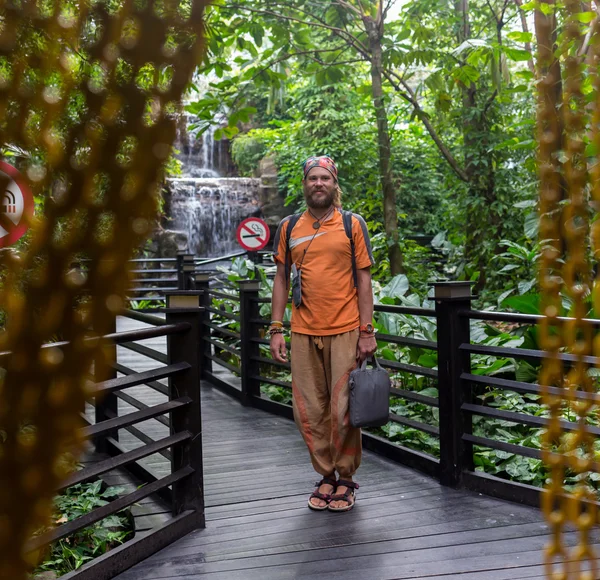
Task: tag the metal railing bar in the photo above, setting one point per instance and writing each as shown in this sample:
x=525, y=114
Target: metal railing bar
x=151, y=289
x=275, y=382
x=522, y=318
x=220, y=361
x=127, y=336
x=523, y=419
x=163, y=389
x=503, y=446
x=432, y=430
x=270, y=361
x=141, y=406
x=144, y=333
x=224, y=295
x=408, y=341
x=148, y=280
x=202, y=262
x=145, y=298
x=393, y=309
x=146, y=318
x=153, y=260
x=413, y=369
x=146, y=440
x=524, y=353
x=102, y=512
x=223, y=346
x=154, y=271
x=534, y=388
x=107, y=465
x=135, y=379
x=260, y=300
x=133, y=418
x=135, y=260
x=223, y=331
x=223, y=313
x=412, y=396
x=146, y=351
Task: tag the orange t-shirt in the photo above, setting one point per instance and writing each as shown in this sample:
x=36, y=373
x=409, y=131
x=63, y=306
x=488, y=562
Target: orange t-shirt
x=329, y=298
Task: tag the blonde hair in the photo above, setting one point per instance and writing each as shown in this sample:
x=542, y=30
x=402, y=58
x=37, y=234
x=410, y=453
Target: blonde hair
x=337, y=196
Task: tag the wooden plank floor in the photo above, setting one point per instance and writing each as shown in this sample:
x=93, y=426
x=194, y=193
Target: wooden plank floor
x=404, y=526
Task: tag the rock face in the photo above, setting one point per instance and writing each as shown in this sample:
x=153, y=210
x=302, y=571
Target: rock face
x=166, y=243
x=271, y=200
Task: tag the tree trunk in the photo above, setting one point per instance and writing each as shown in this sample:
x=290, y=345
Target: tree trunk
x=481, y=221
x=390, y=214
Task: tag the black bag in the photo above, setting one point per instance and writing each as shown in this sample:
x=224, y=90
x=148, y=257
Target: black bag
x=369, y=395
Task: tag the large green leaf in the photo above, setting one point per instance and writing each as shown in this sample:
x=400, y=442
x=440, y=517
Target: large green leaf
x=397, y=287
x=525, y=304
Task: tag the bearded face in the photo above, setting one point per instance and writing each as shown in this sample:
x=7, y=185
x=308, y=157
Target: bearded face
x=319, y=188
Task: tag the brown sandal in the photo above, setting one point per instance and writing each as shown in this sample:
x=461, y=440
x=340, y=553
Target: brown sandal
x=349, y=496
x=326, y=497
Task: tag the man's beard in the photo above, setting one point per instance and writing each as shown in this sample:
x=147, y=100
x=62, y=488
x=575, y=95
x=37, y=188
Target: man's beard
x=320, y=203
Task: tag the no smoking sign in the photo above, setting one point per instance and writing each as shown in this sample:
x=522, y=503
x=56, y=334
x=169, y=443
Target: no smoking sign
x=16, y=207
x=253, y=234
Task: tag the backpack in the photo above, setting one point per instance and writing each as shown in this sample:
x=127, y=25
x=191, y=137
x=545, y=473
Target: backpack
x=346, y=218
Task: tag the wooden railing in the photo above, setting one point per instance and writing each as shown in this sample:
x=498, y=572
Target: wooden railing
x=151, y=278
x=232, y=339
x=182, y=488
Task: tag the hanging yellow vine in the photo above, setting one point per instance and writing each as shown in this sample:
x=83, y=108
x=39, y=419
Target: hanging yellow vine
x=88, y=89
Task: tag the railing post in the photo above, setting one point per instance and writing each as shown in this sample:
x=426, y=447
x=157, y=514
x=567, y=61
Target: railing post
x=202, y=284
x=249, y=310
x=188, y=493
x=106, y=406
x=185, y=268
x=456, y=455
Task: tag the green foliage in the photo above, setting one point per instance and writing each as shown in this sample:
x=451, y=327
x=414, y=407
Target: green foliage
x=144, y=304
x=247, y=151
x=72, y=552
x=419, y=181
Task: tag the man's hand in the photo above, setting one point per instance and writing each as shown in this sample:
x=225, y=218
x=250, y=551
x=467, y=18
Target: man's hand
x=366, y=347
x=278, y=348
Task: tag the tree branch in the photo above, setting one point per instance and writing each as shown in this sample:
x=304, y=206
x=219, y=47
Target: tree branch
x=409, y=95
x=349, y=6
x=588, y=36
x=340, y=32
x=526, y=30
x=489, y=102
x=389, y=4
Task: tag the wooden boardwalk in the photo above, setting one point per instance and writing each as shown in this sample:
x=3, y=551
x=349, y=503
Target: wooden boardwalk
x=404, y=525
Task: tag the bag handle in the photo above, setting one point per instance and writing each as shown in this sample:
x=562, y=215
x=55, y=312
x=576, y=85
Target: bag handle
x=374, y=360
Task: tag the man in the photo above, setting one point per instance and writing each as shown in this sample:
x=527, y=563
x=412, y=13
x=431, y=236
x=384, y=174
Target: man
x=331, y=328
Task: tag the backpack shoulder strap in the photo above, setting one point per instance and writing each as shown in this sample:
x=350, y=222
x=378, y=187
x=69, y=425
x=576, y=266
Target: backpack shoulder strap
x=347, y=219
x=288, y=234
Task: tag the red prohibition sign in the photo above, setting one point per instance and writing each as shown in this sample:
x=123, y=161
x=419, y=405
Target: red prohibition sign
x=253, y=234
x=16, y=205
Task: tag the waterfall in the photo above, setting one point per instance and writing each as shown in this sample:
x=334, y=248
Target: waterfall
x=206, y=204
x=210, y=209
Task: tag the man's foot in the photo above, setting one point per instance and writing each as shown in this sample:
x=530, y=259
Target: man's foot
x=319, y=499
x=344, y=498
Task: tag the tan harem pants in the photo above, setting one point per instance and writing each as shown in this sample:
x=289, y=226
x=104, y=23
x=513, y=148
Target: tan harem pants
x=320, y=369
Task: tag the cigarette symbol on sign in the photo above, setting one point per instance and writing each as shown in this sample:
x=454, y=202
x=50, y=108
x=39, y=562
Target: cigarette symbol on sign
x=9, y=203
x=254, y=231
